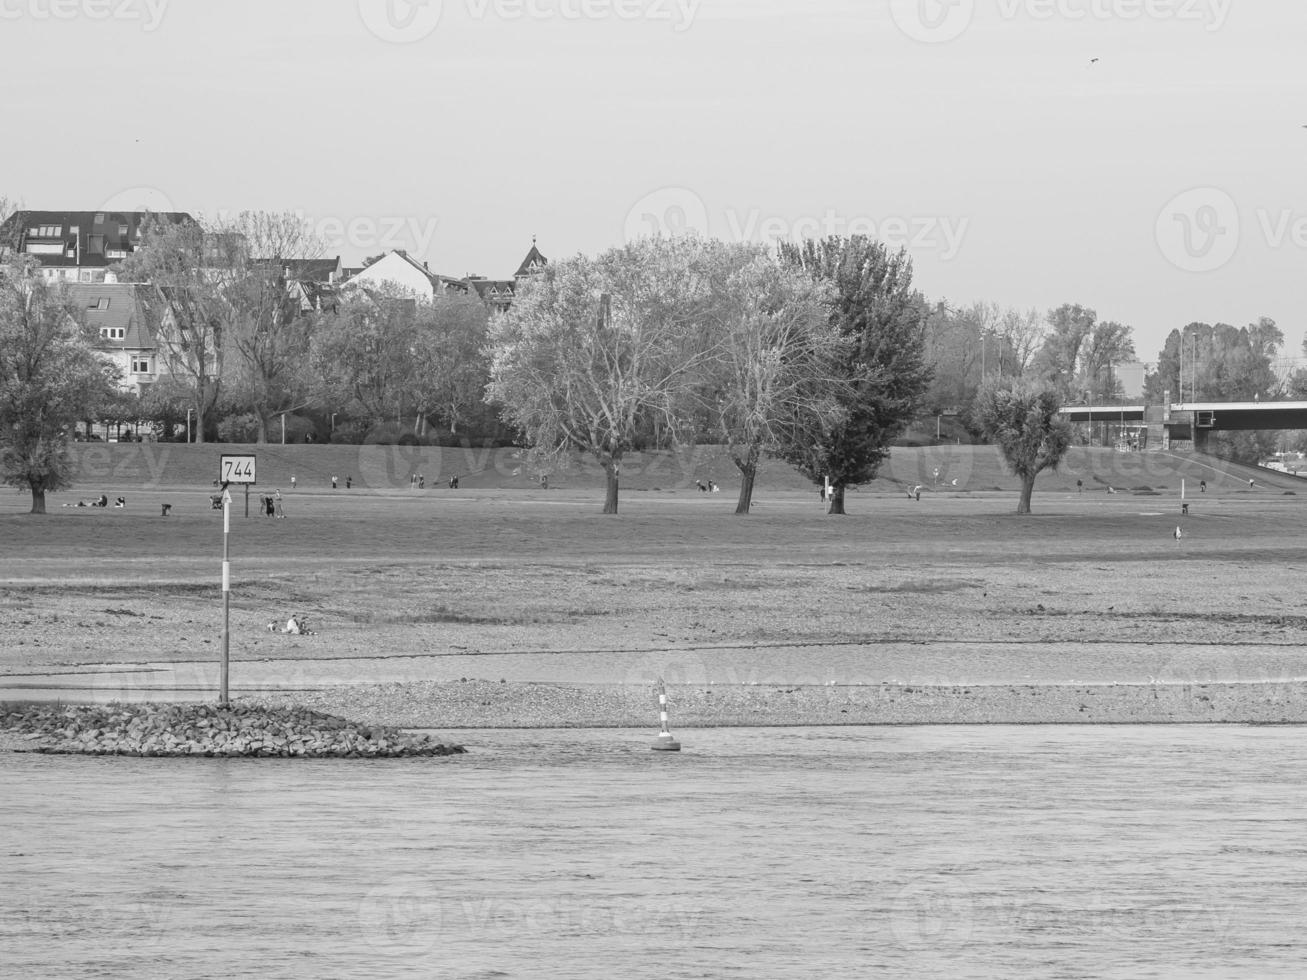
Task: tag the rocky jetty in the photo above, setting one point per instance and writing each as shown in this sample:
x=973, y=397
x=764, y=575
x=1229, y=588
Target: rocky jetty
x=239, y=729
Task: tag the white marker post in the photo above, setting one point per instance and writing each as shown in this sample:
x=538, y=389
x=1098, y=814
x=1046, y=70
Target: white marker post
x=232, y=468
x=664, y=742
x=226, y=596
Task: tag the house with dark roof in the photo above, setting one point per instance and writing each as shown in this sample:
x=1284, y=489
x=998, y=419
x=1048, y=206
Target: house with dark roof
x=77, y=246
x=312, y=283
x=533, y=263
x=402, y=272
x=127, y=318
x=498, y=293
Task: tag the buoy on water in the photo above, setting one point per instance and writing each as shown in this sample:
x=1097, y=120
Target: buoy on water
x=664, y=742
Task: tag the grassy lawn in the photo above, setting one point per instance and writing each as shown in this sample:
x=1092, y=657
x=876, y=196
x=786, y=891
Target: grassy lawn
x=384, y=570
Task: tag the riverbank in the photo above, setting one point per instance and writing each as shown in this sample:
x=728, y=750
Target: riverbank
x=488, y=704
x=313, y=724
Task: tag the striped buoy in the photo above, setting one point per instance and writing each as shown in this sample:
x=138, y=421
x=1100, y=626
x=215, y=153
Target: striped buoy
x=664, y=742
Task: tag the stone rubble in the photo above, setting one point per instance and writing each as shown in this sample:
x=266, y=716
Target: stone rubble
x=240, y=729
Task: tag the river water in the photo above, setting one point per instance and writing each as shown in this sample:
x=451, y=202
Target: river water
x=827, y=852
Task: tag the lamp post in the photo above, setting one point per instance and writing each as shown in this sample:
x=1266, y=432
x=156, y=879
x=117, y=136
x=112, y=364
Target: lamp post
x=333, y=421
x=283, y=428
x=1193, y=361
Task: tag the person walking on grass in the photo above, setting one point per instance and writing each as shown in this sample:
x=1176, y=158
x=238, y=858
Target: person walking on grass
x=276, y=503
x=292, y=481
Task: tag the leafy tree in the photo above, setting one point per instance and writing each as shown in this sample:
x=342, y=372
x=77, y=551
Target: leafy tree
x=594, y=352
x=364, y=354
x=50, y=376
x=186, y=265
x=1108, y=344
x=775, y=375
x=450, y=369
x=883, y=368
x=1021, y=418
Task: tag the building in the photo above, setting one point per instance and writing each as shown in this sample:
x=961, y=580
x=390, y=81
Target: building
x=406, y=275
x=312, y=283
x=77, y=246
x=398, y=272
x=127, y=318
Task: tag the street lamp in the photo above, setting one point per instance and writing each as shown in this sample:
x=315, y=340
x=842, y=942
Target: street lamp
x=333, y=421
x=1193, y=360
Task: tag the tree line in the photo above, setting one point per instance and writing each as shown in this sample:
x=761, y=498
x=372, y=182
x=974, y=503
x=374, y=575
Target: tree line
x=819, y=353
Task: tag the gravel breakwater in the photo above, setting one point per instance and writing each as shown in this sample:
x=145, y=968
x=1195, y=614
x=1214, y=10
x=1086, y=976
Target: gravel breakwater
x=488, y=704
x=206, y=730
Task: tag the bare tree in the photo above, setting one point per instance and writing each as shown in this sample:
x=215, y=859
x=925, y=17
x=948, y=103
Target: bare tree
x=187, y=267
x=775, y=379
x=594, y=351
x=270, y=332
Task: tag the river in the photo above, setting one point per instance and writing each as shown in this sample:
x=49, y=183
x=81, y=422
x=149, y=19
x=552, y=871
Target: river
x=988, y=852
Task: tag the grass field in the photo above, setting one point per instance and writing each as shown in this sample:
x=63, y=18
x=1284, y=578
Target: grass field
x=385, y=571
x=115, y=468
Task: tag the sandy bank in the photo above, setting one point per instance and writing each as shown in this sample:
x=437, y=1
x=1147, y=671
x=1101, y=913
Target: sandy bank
x=486, y=704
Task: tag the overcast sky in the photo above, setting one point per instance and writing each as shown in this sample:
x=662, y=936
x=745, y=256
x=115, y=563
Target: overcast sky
x=1161, y=183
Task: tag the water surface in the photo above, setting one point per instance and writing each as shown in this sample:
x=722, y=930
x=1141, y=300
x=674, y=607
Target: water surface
x=938, y=851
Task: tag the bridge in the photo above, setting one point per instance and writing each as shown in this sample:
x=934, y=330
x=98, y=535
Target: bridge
x=1182, y=422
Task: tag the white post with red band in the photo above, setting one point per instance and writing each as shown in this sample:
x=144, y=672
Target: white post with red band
x=664, y=742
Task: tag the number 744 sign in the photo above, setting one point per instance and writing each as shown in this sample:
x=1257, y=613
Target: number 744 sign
x=236, y=468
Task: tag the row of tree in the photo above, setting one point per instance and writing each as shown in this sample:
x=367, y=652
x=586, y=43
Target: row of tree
x=819, y=354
